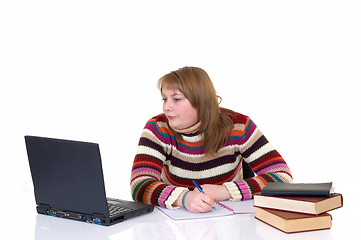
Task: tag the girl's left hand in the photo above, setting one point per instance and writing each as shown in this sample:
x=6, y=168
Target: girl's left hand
x=219, y=192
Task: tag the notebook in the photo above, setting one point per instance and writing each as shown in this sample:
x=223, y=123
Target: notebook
x=223, y=208
x=68, y=183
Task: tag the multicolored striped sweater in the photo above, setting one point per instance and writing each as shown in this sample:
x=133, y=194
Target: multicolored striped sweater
x=165, y=166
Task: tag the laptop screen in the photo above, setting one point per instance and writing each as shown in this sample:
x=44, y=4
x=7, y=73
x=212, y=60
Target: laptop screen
x=67, y=175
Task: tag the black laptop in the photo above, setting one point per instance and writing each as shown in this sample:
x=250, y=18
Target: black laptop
x=68, y=183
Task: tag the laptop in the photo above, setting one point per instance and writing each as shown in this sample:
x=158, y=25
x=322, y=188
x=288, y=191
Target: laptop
x=68, y=183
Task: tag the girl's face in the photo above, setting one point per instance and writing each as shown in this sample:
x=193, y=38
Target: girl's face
x=178, y=110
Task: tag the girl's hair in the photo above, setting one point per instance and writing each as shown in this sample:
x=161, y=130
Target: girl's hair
x=197, y=87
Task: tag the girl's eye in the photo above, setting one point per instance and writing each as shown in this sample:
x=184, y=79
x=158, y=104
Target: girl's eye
x=164, y=99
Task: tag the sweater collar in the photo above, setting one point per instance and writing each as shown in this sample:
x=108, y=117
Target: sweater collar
x=191, y=130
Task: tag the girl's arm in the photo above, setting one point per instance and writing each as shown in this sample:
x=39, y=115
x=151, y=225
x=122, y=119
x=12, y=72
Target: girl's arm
x=263, y=159
x=147, y=167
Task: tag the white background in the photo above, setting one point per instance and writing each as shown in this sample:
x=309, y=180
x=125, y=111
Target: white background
x=87, y=70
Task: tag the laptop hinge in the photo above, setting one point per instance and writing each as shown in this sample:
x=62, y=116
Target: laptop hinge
x=43, y=208
x=99, y=218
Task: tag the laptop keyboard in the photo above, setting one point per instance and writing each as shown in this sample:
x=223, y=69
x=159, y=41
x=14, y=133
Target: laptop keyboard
x=115, y=210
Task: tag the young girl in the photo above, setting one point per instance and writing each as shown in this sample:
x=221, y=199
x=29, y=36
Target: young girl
x=195, y=139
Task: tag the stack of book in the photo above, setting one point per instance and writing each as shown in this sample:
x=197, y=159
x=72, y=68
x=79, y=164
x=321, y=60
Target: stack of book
x=300, y=207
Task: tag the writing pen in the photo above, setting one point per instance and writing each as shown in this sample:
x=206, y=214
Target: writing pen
x=201, y=190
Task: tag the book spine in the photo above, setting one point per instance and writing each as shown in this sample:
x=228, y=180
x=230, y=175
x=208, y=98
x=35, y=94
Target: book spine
x=295, y=194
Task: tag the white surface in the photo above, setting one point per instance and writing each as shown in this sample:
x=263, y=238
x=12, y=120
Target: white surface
x=156, y=225
x=87, y=70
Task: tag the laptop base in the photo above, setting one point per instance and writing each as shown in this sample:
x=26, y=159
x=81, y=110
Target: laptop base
x=117, y=213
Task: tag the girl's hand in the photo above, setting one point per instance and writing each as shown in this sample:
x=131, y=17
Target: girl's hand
x=196, y=201
x=219, y=192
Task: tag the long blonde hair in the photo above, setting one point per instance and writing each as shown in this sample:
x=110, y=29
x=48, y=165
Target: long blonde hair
x=197, y=87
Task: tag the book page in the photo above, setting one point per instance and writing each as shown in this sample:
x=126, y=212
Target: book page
x=242, y=207
x=223, y=208
x=183, y=214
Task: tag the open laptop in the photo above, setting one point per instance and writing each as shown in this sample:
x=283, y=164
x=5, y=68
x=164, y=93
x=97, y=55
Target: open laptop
x=68, y=183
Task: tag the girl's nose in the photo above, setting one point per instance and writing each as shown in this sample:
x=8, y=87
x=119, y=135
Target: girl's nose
x=167, y=106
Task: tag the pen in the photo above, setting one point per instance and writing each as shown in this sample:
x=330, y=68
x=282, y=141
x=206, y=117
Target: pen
x=201, y=190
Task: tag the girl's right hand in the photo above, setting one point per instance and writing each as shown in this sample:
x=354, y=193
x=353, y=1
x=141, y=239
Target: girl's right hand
x=198, y=202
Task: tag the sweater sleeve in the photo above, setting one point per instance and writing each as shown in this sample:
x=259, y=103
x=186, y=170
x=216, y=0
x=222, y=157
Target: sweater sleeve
x=146, y=185
x=264, y=160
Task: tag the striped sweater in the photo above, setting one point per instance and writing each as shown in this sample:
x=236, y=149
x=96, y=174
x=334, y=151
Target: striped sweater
x=165, y=166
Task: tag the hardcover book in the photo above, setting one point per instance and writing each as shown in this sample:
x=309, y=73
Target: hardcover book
x=291, y=222
x=297, y=189
x=310, y=205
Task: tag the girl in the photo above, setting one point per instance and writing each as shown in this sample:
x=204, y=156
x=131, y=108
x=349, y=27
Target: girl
x=195, y=139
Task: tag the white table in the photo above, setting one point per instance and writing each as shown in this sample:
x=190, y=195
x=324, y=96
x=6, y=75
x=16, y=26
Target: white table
x=27, y=224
